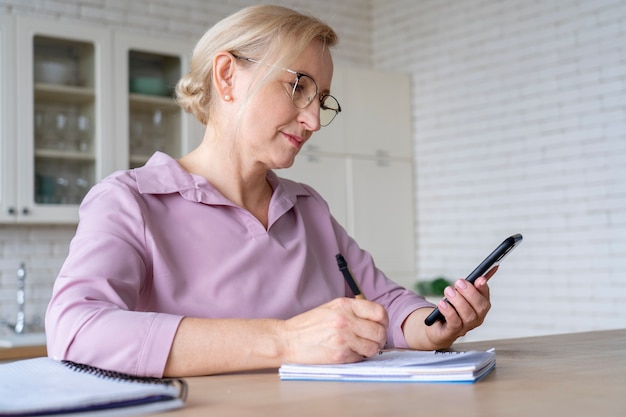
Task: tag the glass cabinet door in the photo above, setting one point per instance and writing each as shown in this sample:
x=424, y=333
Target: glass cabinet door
x=147, y=117
x=154, y=117
x=63, y=117
x=62, y=101
x=8, y=206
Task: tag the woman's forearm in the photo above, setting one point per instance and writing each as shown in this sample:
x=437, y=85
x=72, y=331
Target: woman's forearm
x=213, y=346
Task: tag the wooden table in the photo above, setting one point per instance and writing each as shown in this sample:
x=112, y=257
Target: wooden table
x=22, y=352
x=579, y=374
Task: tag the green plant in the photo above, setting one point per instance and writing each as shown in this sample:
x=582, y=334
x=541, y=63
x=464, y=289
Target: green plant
x=432, y=287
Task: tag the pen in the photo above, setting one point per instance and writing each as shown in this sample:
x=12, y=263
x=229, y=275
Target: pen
x=343, y=267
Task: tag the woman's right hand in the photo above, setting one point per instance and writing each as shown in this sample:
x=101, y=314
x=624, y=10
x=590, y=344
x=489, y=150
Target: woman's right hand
x=341, y=331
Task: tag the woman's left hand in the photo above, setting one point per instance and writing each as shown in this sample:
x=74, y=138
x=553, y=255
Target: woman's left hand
x=465, y=310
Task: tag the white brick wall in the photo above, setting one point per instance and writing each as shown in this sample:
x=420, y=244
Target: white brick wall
x=519, y=125
x=189, y=19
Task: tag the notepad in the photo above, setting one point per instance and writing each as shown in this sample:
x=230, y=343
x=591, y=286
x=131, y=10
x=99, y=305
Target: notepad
x=44, y=386
x=401, y=366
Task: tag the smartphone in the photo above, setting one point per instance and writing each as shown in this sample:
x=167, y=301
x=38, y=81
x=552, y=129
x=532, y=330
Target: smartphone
x=486, y=268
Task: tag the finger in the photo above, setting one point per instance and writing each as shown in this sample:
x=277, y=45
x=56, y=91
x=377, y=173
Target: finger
x=477, y=299
x=483, y=287
x=470, y=304
x=448, y=309
x=365, y=347
x=370, y=310
x=370, y=326
x=461, y=306
x=362, y=325
x=452, y=327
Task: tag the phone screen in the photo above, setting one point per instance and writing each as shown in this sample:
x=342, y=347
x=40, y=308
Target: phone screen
x=486, y=268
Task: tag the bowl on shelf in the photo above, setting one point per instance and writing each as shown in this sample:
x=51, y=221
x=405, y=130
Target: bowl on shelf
x=154, y=86
x=52, y=71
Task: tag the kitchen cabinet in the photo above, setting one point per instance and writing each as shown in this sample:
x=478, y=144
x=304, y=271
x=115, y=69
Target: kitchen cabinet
x=75, y=105
x=7, y=121
x=377, y=112
x=147, y=116
x=383, y=214
x=327, y=174
x=62, y=98
x=362, y=165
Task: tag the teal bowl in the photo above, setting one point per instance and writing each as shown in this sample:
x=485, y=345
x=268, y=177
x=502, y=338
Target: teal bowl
x=153, y=86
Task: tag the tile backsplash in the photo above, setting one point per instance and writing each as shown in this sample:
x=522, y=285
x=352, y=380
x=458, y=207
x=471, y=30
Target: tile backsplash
x=42, y=249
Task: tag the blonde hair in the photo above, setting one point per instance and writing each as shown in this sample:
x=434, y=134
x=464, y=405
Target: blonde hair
x=273, y=34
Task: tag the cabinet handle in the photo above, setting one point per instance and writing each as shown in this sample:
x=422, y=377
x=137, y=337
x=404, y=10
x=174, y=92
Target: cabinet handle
x=25, y=210
x=382, y=158
x=11, y=211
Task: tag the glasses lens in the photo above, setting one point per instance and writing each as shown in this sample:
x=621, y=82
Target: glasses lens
x=329, y=108
x=304, y=91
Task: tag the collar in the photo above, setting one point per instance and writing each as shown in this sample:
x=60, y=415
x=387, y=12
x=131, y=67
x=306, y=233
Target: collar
x=163, y=175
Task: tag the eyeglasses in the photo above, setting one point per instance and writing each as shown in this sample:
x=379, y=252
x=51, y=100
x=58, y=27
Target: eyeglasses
x=303, y=92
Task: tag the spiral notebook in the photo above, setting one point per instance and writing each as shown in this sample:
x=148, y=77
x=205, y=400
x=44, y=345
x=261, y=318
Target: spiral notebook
x=401, y=366
x=45, y=387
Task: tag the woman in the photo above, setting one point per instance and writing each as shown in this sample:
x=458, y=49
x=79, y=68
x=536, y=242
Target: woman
x=212, y=263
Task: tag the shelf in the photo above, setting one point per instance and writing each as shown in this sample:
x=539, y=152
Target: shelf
x=147, y=102
x=66, y=155
x=64, y=93
x=138, y=160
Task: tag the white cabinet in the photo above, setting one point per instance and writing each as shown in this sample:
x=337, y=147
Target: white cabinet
x=383, y=215
x=62, y=110
x=362, y=165
x=66, y=122
x=147, y=116
x=7, y=124
x=8, y=140
x=378, y=113
x=327, y=174
x=331, y=139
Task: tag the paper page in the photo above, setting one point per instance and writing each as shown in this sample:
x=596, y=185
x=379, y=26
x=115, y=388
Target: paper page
x=401, y=365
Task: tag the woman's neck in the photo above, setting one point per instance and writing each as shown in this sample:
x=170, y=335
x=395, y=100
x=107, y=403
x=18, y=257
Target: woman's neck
x=246, y=186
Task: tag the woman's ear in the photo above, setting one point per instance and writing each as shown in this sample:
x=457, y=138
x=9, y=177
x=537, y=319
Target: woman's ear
x=223, y=74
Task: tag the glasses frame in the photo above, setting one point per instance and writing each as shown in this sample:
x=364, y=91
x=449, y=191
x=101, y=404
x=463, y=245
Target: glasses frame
x=308, y=100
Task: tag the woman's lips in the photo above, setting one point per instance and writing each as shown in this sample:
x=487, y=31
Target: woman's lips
x=297, y=141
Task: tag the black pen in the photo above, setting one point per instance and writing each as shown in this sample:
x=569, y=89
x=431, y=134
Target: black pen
x=343, y=267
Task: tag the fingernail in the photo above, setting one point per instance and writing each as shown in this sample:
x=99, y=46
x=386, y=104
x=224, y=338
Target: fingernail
x=461, y=284
x=443, y=304
x=450, y=292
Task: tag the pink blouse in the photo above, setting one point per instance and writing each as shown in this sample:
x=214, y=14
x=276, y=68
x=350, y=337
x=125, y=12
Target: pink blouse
x=157, y=243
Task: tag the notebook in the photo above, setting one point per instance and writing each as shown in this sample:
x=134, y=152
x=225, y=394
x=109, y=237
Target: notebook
x=44, y=386
x=401, y=366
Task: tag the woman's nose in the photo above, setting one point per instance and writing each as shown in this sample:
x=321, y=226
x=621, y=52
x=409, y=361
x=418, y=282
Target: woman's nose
x=310, y=116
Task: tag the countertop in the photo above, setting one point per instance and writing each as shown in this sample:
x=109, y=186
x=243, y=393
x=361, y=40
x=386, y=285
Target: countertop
x=22, y=352
x=571, y=375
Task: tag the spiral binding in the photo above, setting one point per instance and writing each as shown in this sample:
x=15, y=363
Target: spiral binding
x=119, y=376
x=448, y=352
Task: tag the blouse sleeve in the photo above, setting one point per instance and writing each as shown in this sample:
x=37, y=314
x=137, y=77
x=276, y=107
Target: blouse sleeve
x=398, y=301
x=95, y=314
